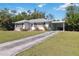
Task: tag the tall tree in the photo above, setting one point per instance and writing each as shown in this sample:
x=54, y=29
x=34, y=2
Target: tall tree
x=36, y=14
x=50, y=16
x=72, y=17
x=5, y=19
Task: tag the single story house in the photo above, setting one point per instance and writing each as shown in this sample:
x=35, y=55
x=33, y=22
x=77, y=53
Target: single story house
x=39, y=24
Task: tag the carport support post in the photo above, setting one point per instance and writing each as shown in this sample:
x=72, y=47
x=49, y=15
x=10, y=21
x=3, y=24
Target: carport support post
x=63, y=26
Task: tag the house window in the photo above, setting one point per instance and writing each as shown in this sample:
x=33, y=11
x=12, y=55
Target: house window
x=35, y=23
x=44, y=23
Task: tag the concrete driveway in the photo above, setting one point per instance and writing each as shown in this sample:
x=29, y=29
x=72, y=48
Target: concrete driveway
x=13, y=47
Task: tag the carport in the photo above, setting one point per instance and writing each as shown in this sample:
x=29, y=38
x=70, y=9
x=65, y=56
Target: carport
x=58, y=25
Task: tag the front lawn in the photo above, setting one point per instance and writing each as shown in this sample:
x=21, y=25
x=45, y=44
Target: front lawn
x=13, y=35
x=63, y=44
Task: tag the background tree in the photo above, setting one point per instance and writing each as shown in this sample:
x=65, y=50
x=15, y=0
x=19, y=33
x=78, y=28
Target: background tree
x=29, y=15
x=36, y=14
x=5, y=19
x=50, y=17
x=72, y=18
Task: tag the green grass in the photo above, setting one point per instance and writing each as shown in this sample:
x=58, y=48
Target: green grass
x=63, y=44
x=13, y=35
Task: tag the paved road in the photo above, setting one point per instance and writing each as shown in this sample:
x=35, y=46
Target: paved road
x=13, y=47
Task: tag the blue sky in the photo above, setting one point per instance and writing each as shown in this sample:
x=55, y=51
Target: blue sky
x=57, y=9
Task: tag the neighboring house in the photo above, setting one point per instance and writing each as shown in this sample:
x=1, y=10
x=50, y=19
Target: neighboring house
x=37, y=24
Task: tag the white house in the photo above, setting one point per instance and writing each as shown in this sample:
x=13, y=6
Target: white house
x=38, y=24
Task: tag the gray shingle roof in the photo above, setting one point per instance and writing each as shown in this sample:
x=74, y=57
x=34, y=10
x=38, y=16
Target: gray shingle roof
x=22, y=21
x=38, y=21
x=34, y=21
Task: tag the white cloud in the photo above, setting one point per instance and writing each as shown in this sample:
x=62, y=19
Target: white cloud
x=41, y=5
x=63, y=7
x=20, y=9
x=77, y=4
